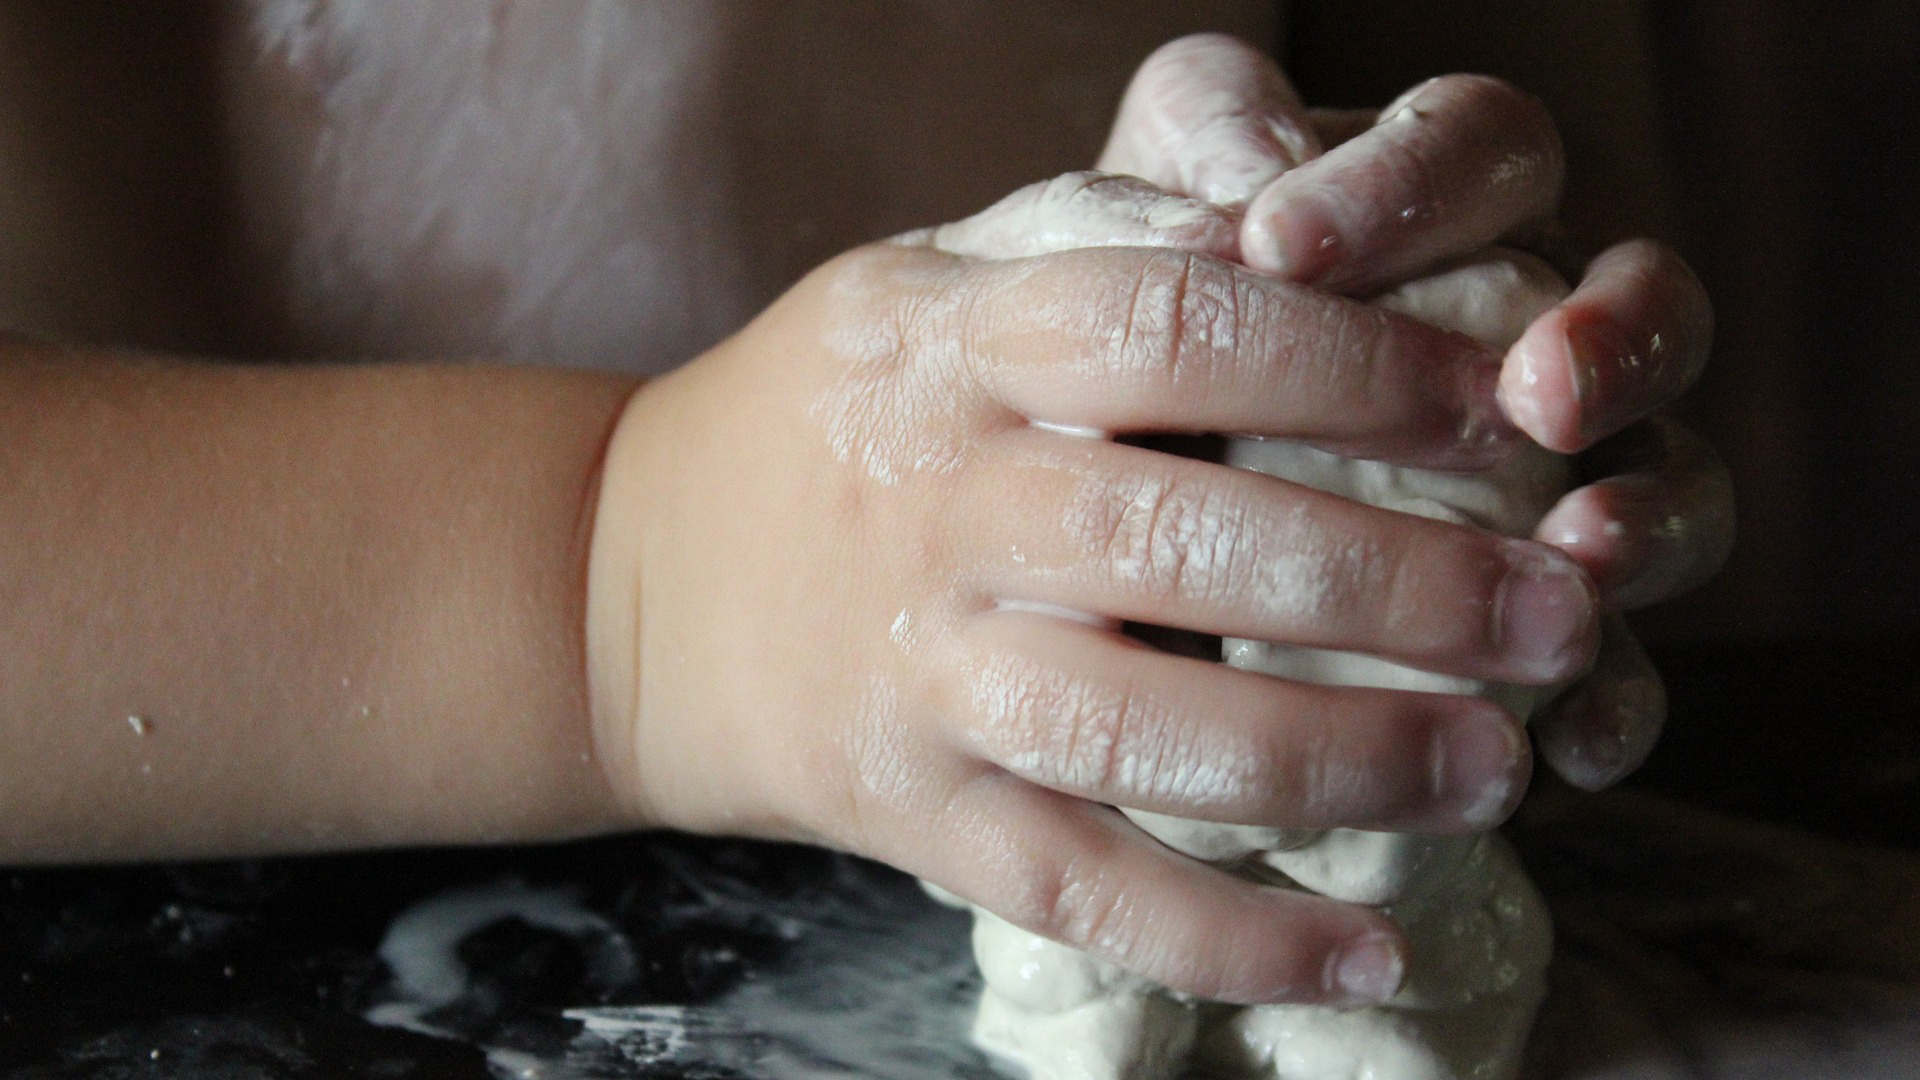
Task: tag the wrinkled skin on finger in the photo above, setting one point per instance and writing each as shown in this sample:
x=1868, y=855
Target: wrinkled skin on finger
x=1350, y=200
x=828, y=651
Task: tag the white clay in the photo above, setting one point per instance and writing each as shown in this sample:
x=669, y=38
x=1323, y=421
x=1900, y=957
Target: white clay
x=1480, y=933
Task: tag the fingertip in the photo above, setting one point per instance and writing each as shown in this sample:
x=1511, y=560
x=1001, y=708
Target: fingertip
x=1454, y=164
x=1630, y=338
x=1676, y=301
x=1598, y=526
x=1538, y=389
x=1368, y=970
x=1605, y=731
x=1609, y=724
x=1484, y=773
x=1342, y=955
x=1546, y=615
x=1660, y=527
x=1291, y=235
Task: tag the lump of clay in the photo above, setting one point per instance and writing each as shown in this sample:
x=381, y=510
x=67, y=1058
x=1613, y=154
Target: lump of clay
x=1479, y=932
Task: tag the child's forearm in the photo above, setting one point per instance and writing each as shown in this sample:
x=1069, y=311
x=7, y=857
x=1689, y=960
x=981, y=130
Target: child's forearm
x=251, y=609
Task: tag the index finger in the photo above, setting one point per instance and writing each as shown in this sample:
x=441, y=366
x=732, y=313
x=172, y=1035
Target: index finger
x=1139, y=340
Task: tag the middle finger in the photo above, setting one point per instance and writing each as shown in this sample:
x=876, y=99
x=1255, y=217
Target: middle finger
x=1128, y=533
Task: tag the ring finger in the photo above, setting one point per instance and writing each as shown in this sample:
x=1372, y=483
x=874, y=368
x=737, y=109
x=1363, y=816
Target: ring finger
x=1082, y=710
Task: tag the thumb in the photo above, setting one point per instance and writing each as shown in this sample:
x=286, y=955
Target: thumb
x=1212, y=118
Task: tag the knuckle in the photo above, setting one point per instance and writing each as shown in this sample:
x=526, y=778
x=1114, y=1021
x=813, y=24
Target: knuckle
x=877, y=774
x=1170, y=539
x=1093, y=735
x=1076, y=902
x=1640, y=265
x=1149, y=337
x=1181, y=73
x=1693, y=308
x=1358, y=356
x=1662, y=294
x=1673, y=264
x=1108, y=740
x=1182, y=311
x=1514, y=125
x=1325, y=580
x=1073, y=190
x=863, y=271
x=1163, y=78
x=1097, y=190
x=1034, y=889
x=875, y=297
x=1476, y=92
x=1182, y=55
x=1401, y=173
x=1052, y=728
x=1212, y=313
x=883, y=769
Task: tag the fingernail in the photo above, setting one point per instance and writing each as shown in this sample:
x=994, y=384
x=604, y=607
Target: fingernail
x=1485, y=431
x=1477, y=770
x=1596, y=346
x=1292, y=237
x=1529, y=397
x=1619, y=736
x=1369, y=968
x=1545, y=619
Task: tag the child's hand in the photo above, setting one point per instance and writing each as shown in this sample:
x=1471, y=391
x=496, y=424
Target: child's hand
x=844, y=548
x=1458, y=163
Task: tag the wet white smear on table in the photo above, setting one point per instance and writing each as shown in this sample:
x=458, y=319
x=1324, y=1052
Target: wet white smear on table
x=420, y=946
x=879, y=982
x=875, y=980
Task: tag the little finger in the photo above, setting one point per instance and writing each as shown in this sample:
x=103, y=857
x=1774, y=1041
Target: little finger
x=1081, y=874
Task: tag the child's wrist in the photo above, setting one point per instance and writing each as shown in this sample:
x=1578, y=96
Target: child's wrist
x=618, y=502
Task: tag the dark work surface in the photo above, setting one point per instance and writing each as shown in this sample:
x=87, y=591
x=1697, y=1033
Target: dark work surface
x=263, y=969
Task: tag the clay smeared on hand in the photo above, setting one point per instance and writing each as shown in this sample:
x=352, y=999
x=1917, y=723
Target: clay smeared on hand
x=1479, y=932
